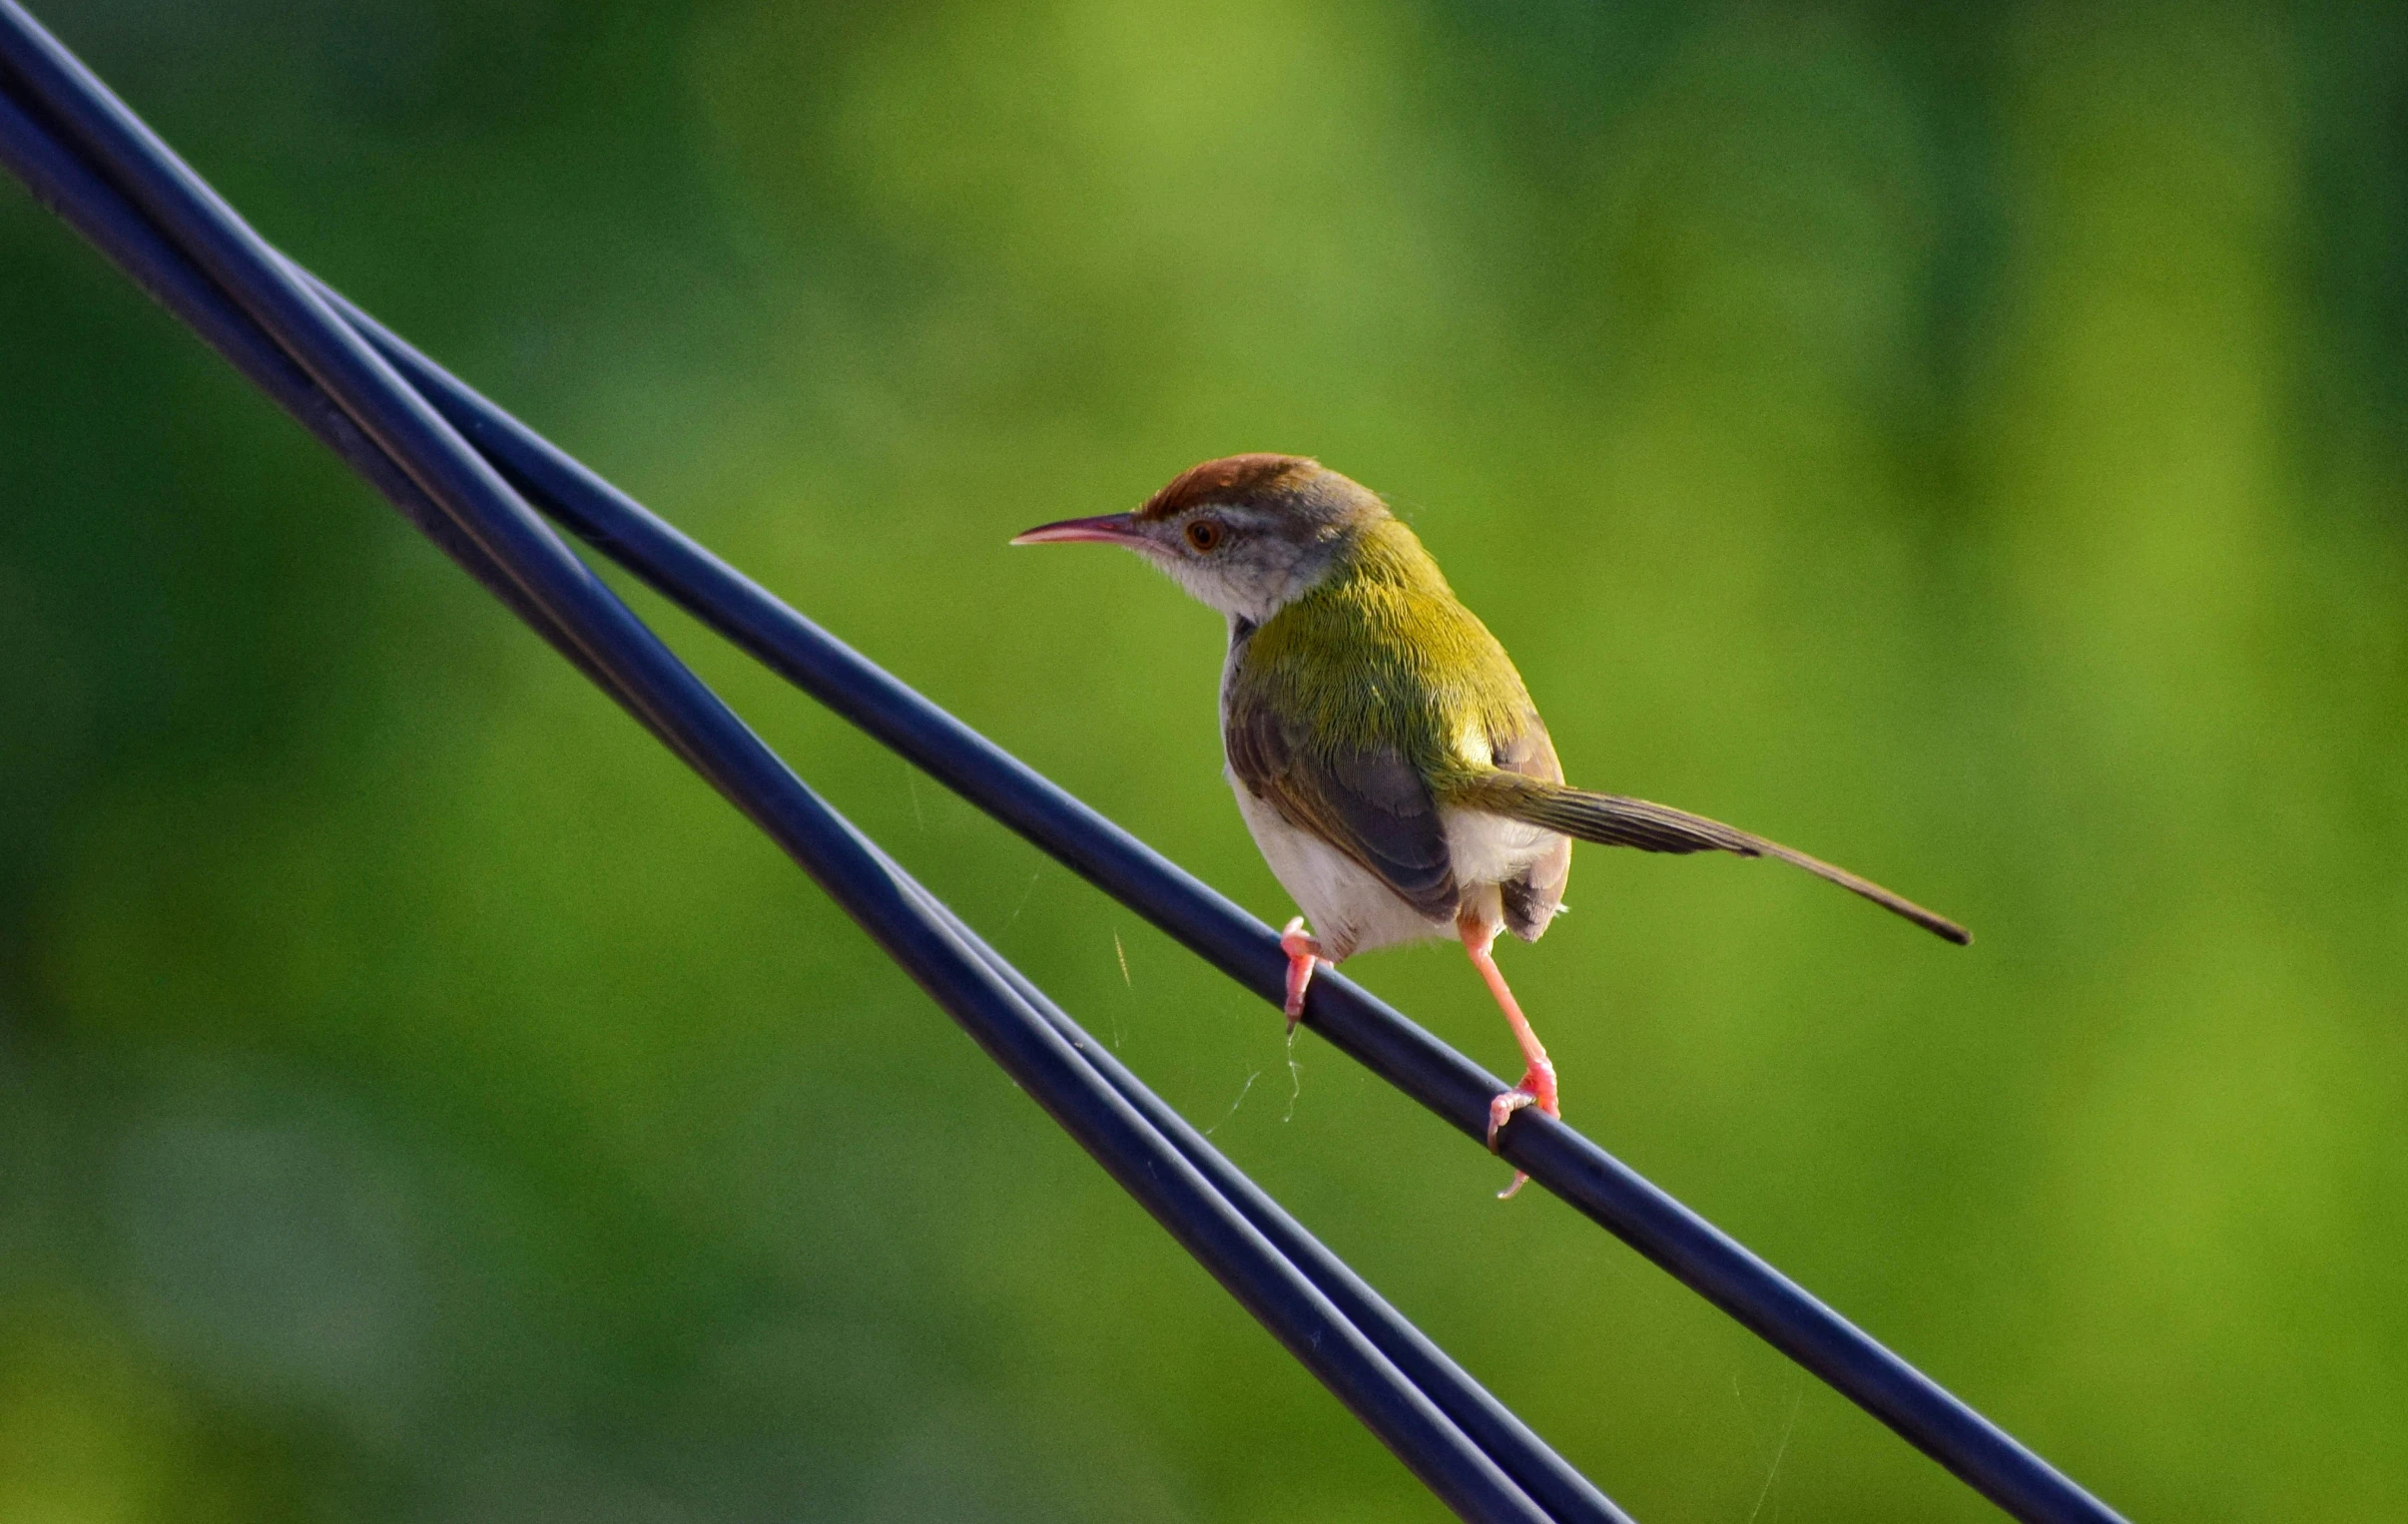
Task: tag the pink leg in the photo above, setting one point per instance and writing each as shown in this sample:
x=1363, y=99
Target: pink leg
x=1303, y=953
x=1538, y=1085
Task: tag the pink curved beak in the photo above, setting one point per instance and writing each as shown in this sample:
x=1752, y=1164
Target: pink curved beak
x=1104, y=529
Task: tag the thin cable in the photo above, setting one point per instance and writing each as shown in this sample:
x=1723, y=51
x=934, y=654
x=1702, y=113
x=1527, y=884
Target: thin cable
x=1375, y=1034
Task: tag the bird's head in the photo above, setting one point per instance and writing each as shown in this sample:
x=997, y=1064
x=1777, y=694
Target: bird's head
x=1246, y=533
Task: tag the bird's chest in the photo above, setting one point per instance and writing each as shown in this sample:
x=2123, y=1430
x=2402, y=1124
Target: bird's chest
x=1349, y=907
x=1352, y=906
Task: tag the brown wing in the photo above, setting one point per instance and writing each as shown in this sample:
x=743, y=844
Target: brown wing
x=1531, y=900
x=1367, y=801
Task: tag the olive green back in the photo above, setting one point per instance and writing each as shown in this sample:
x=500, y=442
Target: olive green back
x=1384, y=652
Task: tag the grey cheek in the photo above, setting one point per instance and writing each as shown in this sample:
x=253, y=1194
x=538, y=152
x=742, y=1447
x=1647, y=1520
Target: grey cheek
x=1283, y=574
x=1300, y=568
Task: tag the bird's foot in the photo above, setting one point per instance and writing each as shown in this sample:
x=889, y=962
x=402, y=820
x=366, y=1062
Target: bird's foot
x=1304, y=952
x=1538, y=1088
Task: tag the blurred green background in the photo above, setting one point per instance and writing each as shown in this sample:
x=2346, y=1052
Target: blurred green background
x=1966, y=443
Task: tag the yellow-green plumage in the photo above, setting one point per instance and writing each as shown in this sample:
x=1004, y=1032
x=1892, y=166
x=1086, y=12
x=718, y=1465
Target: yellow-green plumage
x=1381, y=652
x=1354, y=714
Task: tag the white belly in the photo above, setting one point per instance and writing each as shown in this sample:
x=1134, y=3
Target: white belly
x=1349, y=908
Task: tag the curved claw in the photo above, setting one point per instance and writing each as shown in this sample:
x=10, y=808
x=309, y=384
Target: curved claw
x=1501, y=1109
x=1538, y=1088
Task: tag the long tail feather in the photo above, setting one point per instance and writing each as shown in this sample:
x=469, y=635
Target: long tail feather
x=1614, y=820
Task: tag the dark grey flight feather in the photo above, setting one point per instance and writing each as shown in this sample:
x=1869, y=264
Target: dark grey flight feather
x=1367, y=801
x=1614, y=820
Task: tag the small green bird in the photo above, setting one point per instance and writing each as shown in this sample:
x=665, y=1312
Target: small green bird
x=1384, y=753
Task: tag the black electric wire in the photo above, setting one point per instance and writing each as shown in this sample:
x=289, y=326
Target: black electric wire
x=1342, y=1012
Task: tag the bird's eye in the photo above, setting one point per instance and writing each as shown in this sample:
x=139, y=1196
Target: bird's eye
x=1205, y=534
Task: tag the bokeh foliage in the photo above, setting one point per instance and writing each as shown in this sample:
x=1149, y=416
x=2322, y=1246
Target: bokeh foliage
x=1965, y=443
